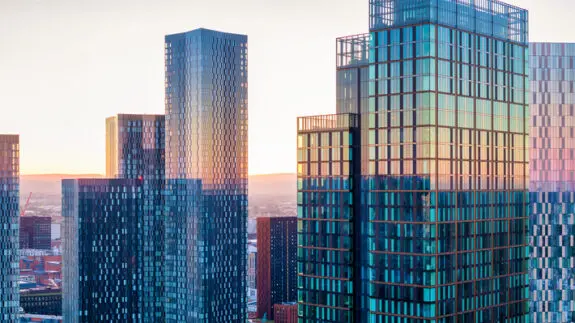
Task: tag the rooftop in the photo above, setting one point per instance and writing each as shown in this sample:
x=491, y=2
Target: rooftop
x=328, y=122
x=487, y=17
x=353, y=50
x=207, y=32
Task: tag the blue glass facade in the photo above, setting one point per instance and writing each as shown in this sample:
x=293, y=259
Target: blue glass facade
x=114, y=231
x=135, y=150
x=206, y=170
x=328, y=217
x=552, y=182
x=443, y=165
x=9, y=227
x=103, y=247
x=135, y=146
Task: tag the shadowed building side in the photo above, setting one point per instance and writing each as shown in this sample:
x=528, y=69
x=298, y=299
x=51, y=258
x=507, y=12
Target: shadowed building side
x=9, y=226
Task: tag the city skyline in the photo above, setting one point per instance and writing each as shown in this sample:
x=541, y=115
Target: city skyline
x=106, y=62
x=436, y=183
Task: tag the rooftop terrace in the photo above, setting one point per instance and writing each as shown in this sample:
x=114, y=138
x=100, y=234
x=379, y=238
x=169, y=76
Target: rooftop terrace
x=327, y=122
x=487, y=17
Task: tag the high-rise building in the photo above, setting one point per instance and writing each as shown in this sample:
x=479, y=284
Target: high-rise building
x=552, y=184
x=285, y=312
x=103, y=248
x=123, y=216
x=135, y=150
x=206, y=171
x=9, y=217
x=440, y=175
x=328, y=216
x=135, y=146
x=277, y=263
x=36, y=232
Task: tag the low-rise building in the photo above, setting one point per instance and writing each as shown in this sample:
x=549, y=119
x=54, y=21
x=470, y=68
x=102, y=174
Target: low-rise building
x=285, y=312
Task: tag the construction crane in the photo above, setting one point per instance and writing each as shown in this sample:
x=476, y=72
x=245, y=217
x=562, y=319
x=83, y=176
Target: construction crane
x=23, y=210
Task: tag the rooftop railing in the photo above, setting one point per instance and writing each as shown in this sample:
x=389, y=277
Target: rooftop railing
x=487, y=17
x=328, y=122
x=353, y=50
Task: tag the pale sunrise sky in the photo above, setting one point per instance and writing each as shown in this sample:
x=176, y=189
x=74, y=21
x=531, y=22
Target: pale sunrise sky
x=66, y=65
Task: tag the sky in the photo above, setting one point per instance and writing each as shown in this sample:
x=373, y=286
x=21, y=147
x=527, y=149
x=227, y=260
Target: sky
x=66, y=65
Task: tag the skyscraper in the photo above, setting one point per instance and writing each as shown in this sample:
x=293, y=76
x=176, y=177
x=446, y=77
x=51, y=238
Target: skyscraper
x=124, y=217
x=328, y=245
x=206, y=170
x=277, y=263
x=135, y=149
x=441, y=229
x=9, y=217
x=103, y=247
x=135, y=146
x=552, y=182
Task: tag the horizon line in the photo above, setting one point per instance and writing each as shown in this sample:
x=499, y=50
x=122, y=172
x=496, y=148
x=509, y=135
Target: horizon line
x=97, y=174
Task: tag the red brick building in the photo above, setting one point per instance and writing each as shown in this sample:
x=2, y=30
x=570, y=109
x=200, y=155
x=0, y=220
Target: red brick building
x=285, y=313
x=276, y=263
x=46, y=269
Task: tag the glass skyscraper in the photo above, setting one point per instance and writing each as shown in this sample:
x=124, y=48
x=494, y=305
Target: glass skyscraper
x=135, y=146
x=135, y=150
x=552, y=182
x=103, y=248
x=328, y=217
x=9, y=223
x=440, y=175
x=206, y=170
x=114, y=229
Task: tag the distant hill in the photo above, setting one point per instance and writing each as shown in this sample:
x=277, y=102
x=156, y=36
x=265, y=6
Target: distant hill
x=273, y=185
x=269, y=195
x=259, y=185
x=57, y=177
x=48, y=183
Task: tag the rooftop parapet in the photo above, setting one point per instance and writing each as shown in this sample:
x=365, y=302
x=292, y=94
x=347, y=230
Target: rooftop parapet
x=328, y=122
x=487, y=17
x=353, y=50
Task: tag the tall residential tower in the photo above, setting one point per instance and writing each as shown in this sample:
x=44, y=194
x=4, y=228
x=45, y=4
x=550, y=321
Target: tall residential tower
x=114, y=229
x=552, y=182
x=9, y=221
x=207, y=175
x=423, y=210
